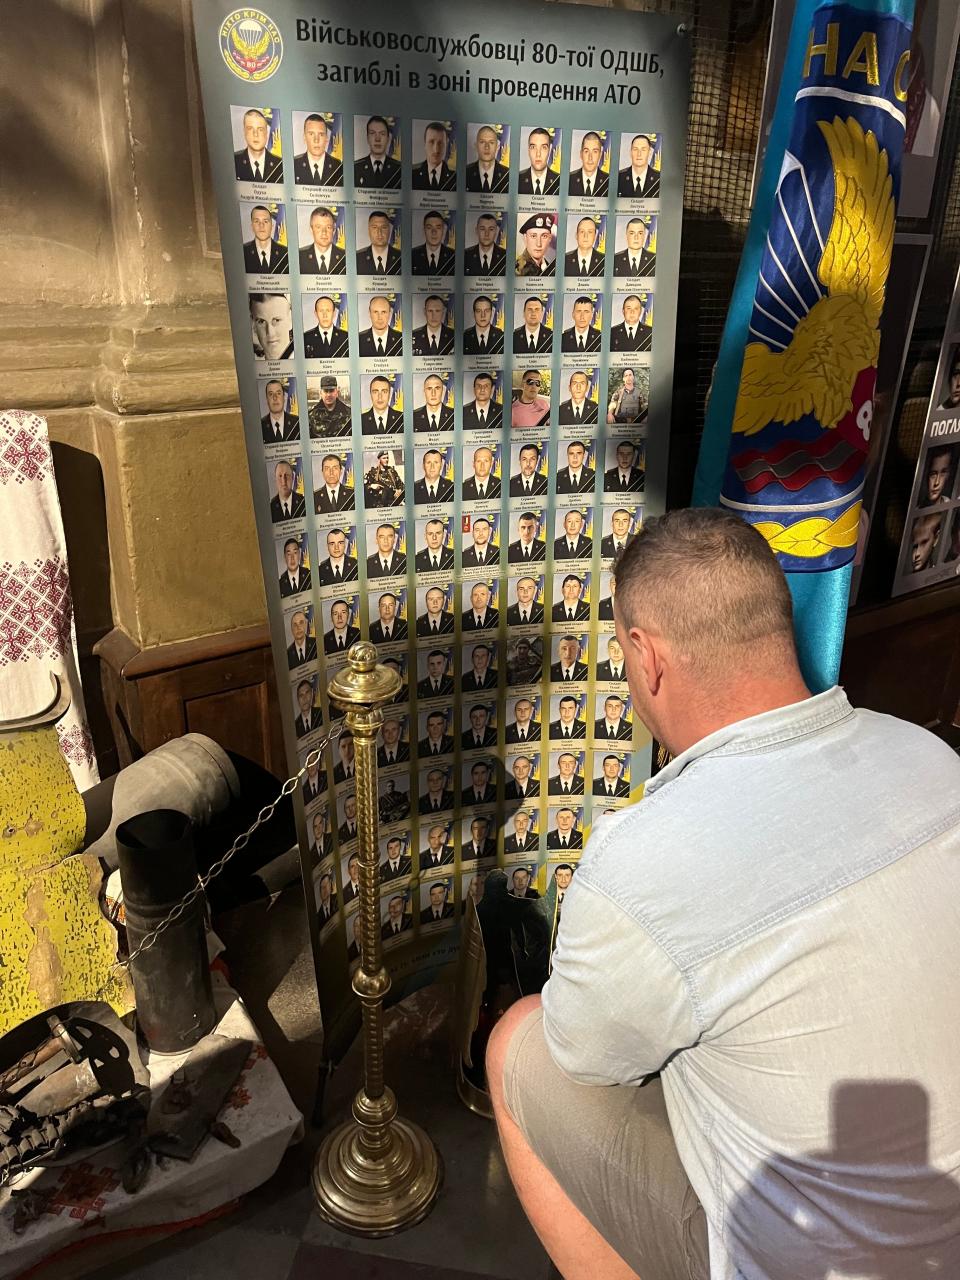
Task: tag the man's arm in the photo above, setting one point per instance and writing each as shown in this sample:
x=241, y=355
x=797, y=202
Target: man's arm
x=615, y=1006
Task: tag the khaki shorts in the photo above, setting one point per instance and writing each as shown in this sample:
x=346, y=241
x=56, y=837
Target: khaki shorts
x=612, y=1151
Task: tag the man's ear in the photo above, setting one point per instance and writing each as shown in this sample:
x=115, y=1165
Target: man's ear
x=646, y=647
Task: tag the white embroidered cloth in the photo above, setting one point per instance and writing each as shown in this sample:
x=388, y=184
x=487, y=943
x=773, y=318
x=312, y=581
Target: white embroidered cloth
x=37, y=633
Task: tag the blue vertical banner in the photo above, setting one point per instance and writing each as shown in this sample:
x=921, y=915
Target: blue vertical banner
x=788, y=423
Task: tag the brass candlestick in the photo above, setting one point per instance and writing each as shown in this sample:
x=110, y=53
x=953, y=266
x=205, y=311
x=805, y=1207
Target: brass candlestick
x=375, y=1174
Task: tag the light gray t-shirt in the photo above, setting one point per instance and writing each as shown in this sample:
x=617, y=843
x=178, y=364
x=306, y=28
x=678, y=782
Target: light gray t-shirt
x=776, y=928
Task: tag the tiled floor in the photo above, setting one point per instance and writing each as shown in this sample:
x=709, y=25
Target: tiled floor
x=476, y=1229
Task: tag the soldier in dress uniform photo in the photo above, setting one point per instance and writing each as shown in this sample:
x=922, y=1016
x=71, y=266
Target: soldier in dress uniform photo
x=614, y=724
x=339, y=566
x=522, y=840
x=482, y=672
x=482, y=411
x=482, y=338
x=568, y=725
x=309, y=717
x=435, y=554
x=585, y=260
x=529, y=481
x=278, y=424
x=295, y=577
x=433, y=257
x=379, y=257
x=639, y=179
x=569, y=665
x=479, y=732
x=578, y=408
x=436, y=619
x=438, y=681
x=388, y=626
x=571, y=607
x=483, y=552
x=537, y=179
x=271, y=320
x=313, y=166
x=486, y=257
x=326, y=340
x=381, y=418
x=322, y=256
x=522, y=785
x=253, y=162
x=589, y=179
x=532, y=337
x=537, y=256
x=341, y=634
x=377, y=169
x=526, y=609
x=435, y=173
x=577, y=476
x=527, y=548
x=303, y=646
x=434, y=414
x=387, y=561
x=573, y=543
x=334, y=494
x=565, y=834
x=567, y=781
x=582, y=335
x=433, y=485
x=626, y=476
x=329, y=416
x=262, y=254
x=613, y=543
x=481, y=615
x=611, y=782
x=481, y=484
x=381, y=339
x=486, y=173
x=635, y=259
x=524, y=727
x=433, y=337
x=633, y=334
x=612, y=667
x=286, y=503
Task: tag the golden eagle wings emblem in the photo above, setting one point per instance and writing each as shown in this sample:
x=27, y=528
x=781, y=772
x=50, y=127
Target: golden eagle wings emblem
x=247, y=48
x=839, y=336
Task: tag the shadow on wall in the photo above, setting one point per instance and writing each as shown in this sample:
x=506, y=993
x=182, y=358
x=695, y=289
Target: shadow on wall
x=897, y=1217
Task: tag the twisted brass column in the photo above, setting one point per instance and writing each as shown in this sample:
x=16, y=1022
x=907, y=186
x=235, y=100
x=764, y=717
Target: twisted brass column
x=376, y=1174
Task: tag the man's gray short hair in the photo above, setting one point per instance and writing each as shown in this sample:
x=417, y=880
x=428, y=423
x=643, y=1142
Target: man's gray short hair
x=707, y=582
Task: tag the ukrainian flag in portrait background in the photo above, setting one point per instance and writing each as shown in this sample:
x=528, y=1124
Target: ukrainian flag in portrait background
x=788, y=421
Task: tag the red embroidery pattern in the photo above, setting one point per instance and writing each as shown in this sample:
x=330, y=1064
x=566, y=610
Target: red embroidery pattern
x=24, y=451
x=76, y=744
x=82, y=1191
x=35, y=610
x=240, y=1096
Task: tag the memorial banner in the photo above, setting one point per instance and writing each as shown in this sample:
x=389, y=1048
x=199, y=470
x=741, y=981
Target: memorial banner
x=451, y=242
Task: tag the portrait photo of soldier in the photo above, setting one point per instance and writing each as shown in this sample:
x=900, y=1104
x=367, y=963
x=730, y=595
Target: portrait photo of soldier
x=383, y=478
x=320, y=255
x=529, y=478
x=436, y=792
x=580, y=407
x=522, y=783
x=924, y=537
x=566, y=777
x=271, y=323
x=342, y=632
x=610, y=783
x=569, y=664
x=487, y=255
x=486, y=174
x=577, y=475
x=482, y=411
x=524, y=660
x=380, y=417
x=612, y=667
x=287, y=502
x=635, y=239
x=573, y=543
x=326, y=900
x=263, y=254
x=307, y=715
x=394, y=745
x=433, y=413
x=436, y=738
x=584, y=257
x=520, y=884
x=387, y=559
x=326, y=339
x=398, y=664
x=378, y=253
x=614, y=722
x=480, y=614
x=347, y=832
x=627, y=396
x=481, y=335
x=303, y=646
x=346, y=767
x=939, y=474
x=433, y=256
x=479, y=783
x=564, y=832
x=568, y=724
x=396, y=917
x=622, y=522
x=436, y=618
x=278, y=424
x=383, y=336
x=592, y=178
x=541, y=177
x=524, y=724
x=437, y=171
x=322, y=844
x=638, y=180
x=626, y=474
x=951, y=391
x=479, y=545
x=583, y=332
x=314, y=782
x=633, y=333
x=334, y=494
x=315, y=166
x=435, y=671
x=436, y=552
x=529, y=407
x=388, y=626
x=256, y=160
x=435, y=336
x=571, y=602
x=480, y=727
x=434, y=485
x=526, y=609
x=528, y=547
x=340, y=564
x=482, y=671
x=328, y=412
x=435, y=903
x=295, y=576
x=471, y=890
x=436, y=851
x=379, y=168
x=523, y=837
x=536, y=244
x=533, y=335
x=608, y=590
x=480, y=467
